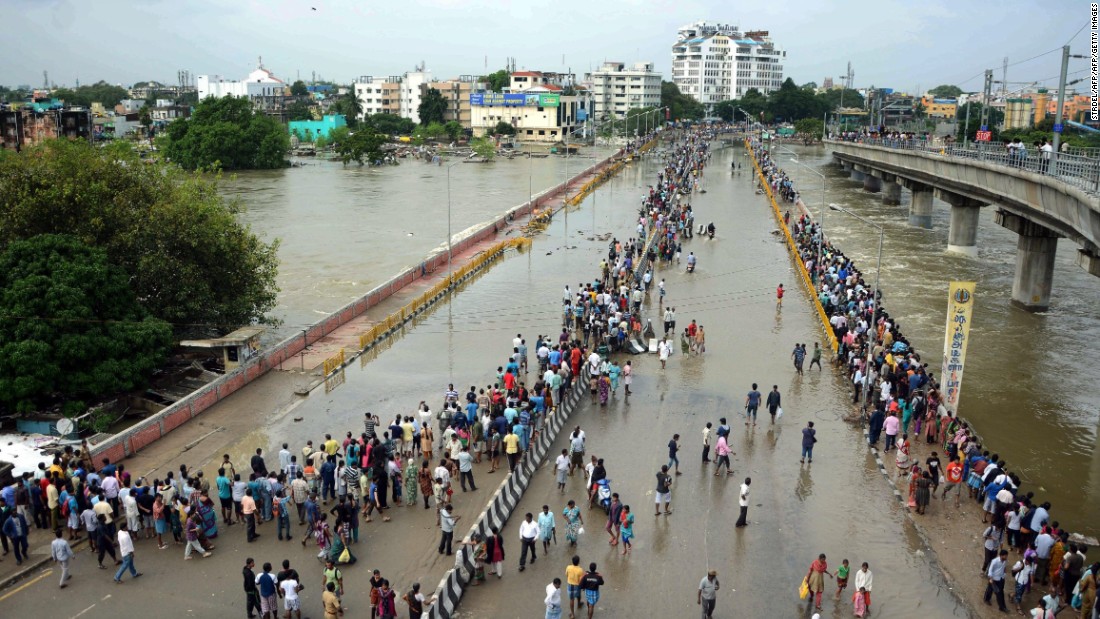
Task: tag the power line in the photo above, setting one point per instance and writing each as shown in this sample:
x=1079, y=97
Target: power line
x=1078, y=32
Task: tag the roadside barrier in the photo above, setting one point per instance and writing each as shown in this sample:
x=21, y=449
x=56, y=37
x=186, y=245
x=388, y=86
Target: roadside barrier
x=792, y=247
x=500, y=507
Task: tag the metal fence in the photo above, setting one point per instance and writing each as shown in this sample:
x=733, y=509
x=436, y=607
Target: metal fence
x=1078, y=170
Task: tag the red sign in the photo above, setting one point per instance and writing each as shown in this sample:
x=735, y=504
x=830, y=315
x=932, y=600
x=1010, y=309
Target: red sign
x=983, y=136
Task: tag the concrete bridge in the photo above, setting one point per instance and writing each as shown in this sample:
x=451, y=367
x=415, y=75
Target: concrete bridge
x=1038, y=203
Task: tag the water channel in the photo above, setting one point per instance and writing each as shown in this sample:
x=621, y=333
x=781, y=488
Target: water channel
x=1030, y=387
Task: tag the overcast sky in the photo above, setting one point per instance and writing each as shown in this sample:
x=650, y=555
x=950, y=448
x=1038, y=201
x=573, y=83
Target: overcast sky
x=890, y=43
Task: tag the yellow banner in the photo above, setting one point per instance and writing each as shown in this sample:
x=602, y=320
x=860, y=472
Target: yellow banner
x=960, y=312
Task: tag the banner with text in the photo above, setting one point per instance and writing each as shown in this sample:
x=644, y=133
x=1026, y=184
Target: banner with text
x=960, y=312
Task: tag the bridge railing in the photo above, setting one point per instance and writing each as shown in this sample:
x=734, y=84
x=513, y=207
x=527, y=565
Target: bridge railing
x=1078, y=170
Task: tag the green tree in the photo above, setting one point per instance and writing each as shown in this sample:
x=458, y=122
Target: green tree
x=791, y=103
x=454, y=129
x=365, y=143
x=753, y=102
x=681, y=106
x=484, y=147
x=227, y=134
x=946, y=91
x=188, y=259
x=833, y=98
x=432, y=107
x=996, y=117
x=299, y=110
x=918, y=109
x=352, y=108
x=299, y=88
x=391, y=124
x=504, y=128
x=71, y=329
x=809, y=86
x=145, y=118
x=99, y=92
x=725, y=110
x=498, y=80
x=339, y=134
x=810, y=127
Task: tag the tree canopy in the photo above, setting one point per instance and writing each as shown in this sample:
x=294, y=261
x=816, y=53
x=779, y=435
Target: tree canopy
x=365, y=143
x=227, y=134
x=99, y=92
x=299, y=110
x=811, y=128
x=504, y=128
x=498, y=80
x=681, y=106
x=71, y=328
x=390, y=124
x=432, y=107
x=946, y=91
x=484, y=148
x=454, y=129
x=187, y=258
x=299, y=88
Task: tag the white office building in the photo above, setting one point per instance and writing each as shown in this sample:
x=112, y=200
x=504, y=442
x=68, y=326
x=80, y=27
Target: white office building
x=718, y=62
x=259, y=83
x=396, y=94
x=617, y=88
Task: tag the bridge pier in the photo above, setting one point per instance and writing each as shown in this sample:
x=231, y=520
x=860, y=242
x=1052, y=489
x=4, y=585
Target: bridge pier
x=920, y=207
x=962, y=237
x=1035, y=251
x=891, y=193
x=855, y=174
x=871, y=183
x=1089, y=260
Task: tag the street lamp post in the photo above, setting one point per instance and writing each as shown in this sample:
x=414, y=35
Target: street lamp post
x=874, y=313
x=821, y=230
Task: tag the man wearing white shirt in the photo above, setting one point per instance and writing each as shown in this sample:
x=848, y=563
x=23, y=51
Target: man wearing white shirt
x=126, y=548
x=528, y=533
x=863, y=581
x=553, y=599
x=743, y=501
x=284, y=458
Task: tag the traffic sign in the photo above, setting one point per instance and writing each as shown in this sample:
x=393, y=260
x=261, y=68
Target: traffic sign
x=1057, y=127
x=983, y=136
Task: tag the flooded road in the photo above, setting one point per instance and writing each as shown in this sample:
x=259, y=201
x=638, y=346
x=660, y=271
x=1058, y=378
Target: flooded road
x=838, y=506
x=344, y=230
x=1030, y=387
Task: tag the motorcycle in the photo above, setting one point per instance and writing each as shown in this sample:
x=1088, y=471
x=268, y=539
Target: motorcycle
x=691, y=267
x=710, y=231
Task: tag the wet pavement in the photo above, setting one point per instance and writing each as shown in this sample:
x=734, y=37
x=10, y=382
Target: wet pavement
x=839, y=505
x=1030, y=388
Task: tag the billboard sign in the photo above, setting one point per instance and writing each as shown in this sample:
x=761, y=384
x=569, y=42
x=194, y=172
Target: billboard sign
x=960, y=312
x=514, y=99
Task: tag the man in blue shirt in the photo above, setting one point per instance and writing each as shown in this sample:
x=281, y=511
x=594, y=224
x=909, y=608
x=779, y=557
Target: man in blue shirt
x=328, y=479
x=225, y=496
x=555, y=357
x=752, y=403
x=471, y=412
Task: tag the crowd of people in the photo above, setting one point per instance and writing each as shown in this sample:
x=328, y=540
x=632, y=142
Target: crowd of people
x=902, y=402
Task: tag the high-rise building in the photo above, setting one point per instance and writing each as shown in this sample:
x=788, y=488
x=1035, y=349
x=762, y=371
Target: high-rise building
x=718, y=62
x=397, y=94
x=618, y=88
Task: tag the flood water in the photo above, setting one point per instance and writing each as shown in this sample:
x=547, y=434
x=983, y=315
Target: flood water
x=840, y=505
x=1030, y=387
x=344, y=230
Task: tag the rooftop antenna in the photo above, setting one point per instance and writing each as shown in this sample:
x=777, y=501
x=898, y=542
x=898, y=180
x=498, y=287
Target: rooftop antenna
x=45, y=79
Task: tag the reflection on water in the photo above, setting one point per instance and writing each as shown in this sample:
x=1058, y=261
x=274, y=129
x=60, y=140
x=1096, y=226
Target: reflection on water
x=1030, y=387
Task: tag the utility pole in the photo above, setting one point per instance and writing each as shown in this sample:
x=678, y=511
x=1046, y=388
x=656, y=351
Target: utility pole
x=1058, y=113
x=985, y=97
x=1004, y=81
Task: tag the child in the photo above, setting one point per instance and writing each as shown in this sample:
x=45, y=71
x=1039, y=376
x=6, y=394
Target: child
x=626, y=531
x=841, y=578
x=859, y=603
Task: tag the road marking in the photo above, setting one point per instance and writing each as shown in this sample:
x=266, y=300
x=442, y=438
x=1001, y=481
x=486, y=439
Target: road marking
x=26, y=584
x=83, y=611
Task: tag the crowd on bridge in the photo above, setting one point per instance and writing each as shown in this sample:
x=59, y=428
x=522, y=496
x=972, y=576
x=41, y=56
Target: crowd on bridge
x=902, y=403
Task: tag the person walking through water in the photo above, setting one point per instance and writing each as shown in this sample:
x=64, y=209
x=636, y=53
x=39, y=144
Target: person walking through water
x=779, y=297
x=774, y=402
x=815, y=579
x=708, y=593
x=743, y=502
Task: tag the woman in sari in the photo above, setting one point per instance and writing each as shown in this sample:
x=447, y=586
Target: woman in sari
x=411, y=482
x=340, y=546
x=914, y=475
x=924, y=492
x=604, y=387
x=573, y=522
x=424, y=480
x=902, y=457
x=477, y=544
x=931, y=419
x=948, y=427
x=209, y=517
